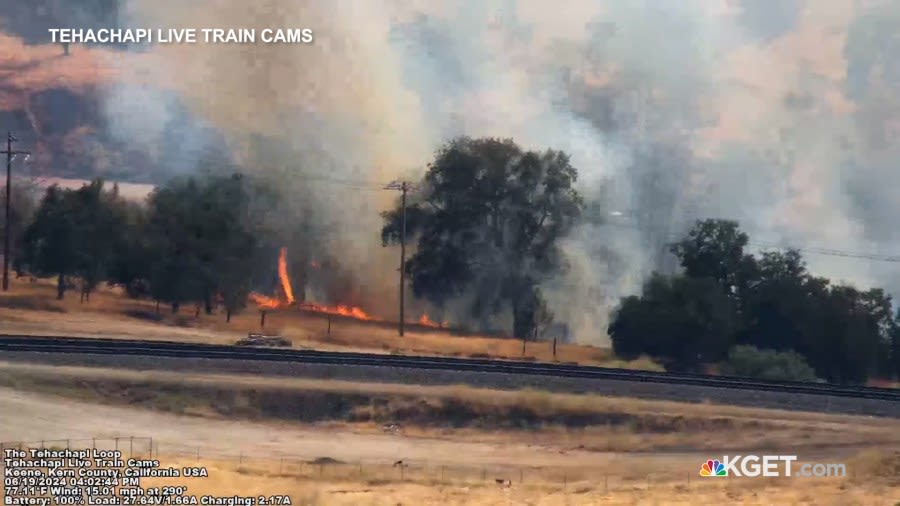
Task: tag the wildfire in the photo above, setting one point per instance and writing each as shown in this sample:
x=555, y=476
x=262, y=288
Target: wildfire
x=340, y=310
x=283, y=276
x=425, y=321
x=266, y=302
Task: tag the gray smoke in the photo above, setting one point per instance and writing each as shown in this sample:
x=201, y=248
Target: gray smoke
x=779, y=116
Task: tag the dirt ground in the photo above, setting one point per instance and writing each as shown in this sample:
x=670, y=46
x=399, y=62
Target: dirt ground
x=33, y=417
x=305, y=487
x=563, y=422
x=551, y=478
x=337, y=463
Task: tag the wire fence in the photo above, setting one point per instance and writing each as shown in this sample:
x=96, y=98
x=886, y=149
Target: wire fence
x=615, y=476
x=372, y=472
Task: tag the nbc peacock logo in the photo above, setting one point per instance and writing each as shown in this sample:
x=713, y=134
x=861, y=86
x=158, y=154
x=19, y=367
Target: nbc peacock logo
x=713, y=468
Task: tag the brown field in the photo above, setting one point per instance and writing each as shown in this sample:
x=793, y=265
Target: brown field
x=569, y=422
x=325, y=443
x=32, y=308
x=304, y=485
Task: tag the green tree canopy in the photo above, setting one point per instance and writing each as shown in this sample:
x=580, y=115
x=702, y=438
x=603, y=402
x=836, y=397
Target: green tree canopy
x=683, y=321
x=75, y=233
x=488, y=217
x=200, y=241
x=773, y=303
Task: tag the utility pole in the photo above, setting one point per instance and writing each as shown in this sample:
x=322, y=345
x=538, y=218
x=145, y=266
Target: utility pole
x=6, y=232
x=403, y=186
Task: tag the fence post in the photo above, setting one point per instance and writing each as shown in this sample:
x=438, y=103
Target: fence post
x=151, y=447
x=241, y=458
x=131, y=447
x=328, y=332
x=198, y=454
x=442, y=474
x=42, y=444
x=521, y=475
x=554, y=348
x=94, y=443
x=67, y=444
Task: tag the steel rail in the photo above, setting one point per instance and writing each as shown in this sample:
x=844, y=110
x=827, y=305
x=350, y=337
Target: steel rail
x=168, y=349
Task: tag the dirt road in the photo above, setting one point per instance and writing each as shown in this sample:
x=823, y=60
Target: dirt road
x=26, y=416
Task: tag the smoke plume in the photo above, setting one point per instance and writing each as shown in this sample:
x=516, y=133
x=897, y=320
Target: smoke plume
x=672, y=110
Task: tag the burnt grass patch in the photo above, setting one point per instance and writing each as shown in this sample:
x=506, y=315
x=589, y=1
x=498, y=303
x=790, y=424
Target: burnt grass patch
x=525, y=412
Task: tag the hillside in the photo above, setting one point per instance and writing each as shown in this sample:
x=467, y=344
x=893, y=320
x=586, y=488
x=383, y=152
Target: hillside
x=56, y=106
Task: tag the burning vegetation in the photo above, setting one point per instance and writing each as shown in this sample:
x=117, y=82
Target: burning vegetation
x=286, y=299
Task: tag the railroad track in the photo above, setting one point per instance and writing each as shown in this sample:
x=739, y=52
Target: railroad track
x=165, y=349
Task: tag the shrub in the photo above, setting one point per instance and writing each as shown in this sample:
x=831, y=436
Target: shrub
x=748, y=361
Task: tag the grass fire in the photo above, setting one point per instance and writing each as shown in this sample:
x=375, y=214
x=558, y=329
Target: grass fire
x=285, y=299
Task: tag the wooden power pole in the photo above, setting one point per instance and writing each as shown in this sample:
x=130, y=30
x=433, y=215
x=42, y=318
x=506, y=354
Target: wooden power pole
x=403, y=186
x=10, y=153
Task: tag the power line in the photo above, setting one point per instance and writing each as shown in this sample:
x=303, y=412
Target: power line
x=374, y=186
x=358, y=184
x=802, y=249
x=833, y=252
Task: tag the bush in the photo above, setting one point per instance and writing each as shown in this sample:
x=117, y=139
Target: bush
x=750, y=362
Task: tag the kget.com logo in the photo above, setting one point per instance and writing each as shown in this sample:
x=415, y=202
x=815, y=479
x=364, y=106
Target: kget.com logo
x=766, y=465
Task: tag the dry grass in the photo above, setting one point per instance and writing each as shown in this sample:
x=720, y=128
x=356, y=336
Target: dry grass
x=312, y=485
x=31, y=308
x=582, y=422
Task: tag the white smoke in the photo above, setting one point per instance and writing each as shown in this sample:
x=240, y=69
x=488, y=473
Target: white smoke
x=676, y=109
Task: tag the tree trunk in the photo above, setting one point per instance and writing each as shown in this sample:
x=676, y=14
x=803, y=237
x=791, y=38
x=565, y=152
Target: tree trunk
x=60, y=286
x=523, y=321
x=227, y=315
x=197, y=311
x=208, y=304
x=175, y=307
x=82, y=296
x=524, y=308
x=157, y=308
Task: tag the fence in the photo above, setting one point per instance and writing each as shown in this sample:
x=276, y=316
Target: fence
x=611, y=478
x=326, y=468
x=130, y=446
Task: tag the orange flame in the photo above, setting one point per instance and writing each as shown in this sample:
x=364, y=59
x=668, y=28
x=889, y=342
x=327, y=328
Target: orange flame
x=266, y=302
x=425, y=321
x=283, y=276
x=339, y=310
